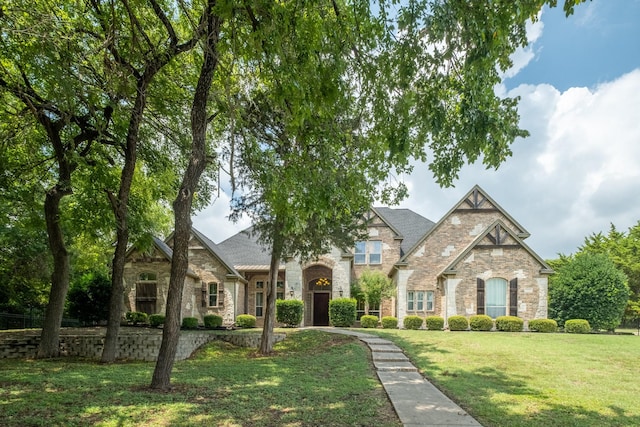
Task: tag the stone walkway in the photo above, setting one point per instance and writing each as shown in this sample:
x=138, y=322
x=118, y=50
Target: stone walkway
x=416, y=401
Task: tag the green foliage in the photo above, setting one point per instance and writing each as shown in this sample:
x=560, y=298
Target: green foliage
x=246, y=321
x=136, y=317
x=412, y=322
x=190, y=323
x=212, y=321
x=509, y=324
x=577, y=326
x=368, y=321
x=389, y=322
x=342, y=311
x=289, y=312
x=590, y=287
x=543, y=325
x=434, y=323
x=458, y=323
x=155, y=320
x=373, y=286
x=480, y=322
x=89, y=298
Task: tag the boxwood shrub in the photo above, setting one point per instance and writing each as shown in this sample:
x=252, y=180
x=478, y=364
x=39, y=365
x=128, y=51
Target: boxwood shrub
x=246, y=321
x=412, y=322
x=189, y=323
x=458, y=323
x=543, y=325
x=434, y=323
x=368, y=321
x=480, y=322
x=136, y=317
x=389, y=322
x=342, y=311
x=509, y=324
x=212, y=321
x=577, y=326
x=289, y=312
x=156, y=320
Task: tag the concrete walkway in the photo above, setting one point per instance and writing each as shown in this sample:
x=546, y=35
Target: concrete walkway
x=416, y=401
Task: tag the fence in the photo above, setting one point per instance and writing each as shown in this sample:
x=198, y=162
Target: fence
x=34, y=319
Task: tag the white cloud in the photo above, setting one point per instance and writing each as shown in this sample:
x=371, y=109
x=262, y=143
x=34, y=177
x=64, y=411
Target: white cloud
x=523, y=56
x=214, y=223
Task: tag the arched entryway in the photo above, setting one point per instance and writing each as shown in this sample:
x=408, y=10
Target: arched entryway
x=318, y=280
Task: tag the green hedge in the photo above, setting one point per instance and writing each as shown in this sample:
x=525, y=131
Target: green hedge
x=543, y=325
x=212, y=321
x=136, y=317
x=289, y=312
x=577, y=326
x=389, y=322
x=246, y=321
x=458, y=323
x=368, y=321
x=412, y=322
x=156, y=320
x=480, y=322
x=509, y=324
x=342, y=311
x=189, y=323
x=434, y=323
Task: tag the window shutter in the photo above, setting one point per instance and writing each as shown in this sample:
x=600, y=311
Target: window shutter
x=480, y=290
x=513, y=297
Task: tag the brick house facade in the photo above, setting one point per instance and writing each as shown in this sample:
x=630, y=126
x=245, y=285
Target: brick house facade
x=473, y=261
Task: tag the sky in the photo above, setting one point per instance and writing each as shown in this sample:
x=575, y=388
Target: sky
x=579, y=170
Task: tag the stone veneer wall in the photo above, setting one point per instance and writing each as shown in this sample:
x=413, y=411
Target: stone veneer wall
x=143, y=346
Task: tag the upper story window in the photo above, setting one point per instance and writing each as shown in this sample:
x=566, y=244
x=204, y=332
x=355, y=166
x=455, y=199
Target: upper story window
x=369, y=252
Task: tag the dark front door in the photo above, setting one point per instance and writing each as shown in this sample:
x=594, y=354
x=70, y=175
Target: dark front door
x=321, y=309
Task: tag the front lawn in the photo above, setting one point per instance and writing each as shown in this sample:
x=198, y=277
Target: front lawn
x=530, y=379
x=314, y=379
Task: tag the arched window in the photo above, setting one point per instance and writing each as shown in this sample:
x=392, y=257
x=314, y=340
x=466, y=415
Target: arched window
x=496, y=297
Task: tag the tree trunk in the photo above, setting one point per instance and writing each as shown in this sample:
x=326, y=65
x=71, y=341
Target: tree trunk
x=182, y=207
x=50, y=337
x=266, y=343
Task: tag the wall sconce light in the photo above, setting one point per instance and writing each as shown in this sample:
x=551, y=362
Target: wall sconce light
x=291, y=292
x=340, y=290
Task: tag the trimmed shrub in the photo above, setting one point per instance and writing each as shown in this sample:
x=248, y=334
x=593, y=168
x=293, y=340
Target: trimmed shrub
x=136, y=317
x=458, y=323
x=434, y=323
x=480, y=322
x=412, y=322
x=246, y=321
x=577, y=326
x=368, y=321
x=509, y=324
x=212, y=321
x=342, y=311
x=543, y=325
x=289, y=312
x=190, y=323
x=156, y=320
x=389, y=322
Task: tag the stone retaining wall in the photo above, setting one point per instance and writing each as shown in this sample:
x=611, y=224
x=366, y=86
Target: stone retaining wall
x=131, y=346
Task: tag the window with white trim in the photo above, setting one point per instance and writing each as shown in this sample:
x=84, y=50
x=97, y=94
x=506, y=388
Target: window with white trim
x=259, y=303
x=429, y=301
x=496, y=297
x=369, y=252
x=213, y=294
x=360, y=255
x=420, y=301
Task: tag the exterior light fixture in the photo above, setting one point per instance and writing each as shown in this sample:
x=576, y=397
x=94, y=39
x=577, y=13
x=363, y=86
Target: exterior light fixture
x=340, y=290
x=291, y=292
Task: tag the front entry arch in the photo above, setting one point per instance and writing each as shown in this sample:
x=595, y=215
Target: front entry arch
x=318, y=279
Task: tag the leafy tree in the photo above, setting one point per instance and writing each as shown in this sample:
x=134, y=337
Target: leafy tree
x=590, y=287
x=374, y=286
x=89, y=298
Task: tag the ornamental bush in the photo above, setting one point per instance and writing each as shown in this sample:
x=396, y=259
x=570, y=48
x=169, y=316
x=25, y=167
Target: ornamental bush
x=577, y=326
x=212, y=321
x=389, y=322
x=156, y=320
x=458, y=323
x=289, y=312
x=190, y=323
x=342, y=311
x=481, y=322
x=509, y=324
x=136, y=317
x=434, y=323
x=246, y=321
x=368, y=321
x=543, y=325
x=412, y=322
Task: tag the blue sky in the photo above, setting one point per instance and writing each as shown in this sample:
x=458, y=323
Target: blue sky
x=579, y=171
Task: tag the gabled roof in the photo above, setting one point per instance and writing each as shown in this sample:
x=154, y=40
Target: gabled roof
x=216, y=251
x=165, y=250
x=475, y=191
x=243, y=250
x=408, y=225
x=450, y=269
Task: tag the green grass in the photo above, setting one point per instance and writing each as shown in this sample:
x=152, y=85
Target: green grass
x=528, y=379
x=313, y=379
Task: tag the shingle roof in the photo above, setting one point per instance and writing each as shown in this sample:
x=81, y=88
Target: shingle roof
x=243, y=249
x=163, y=247
x=410, y=225
x=217, y=251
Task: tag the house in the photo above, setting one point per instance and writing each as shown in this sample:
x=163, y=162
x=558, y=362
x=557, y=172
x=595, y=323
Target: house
x=473, y=261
